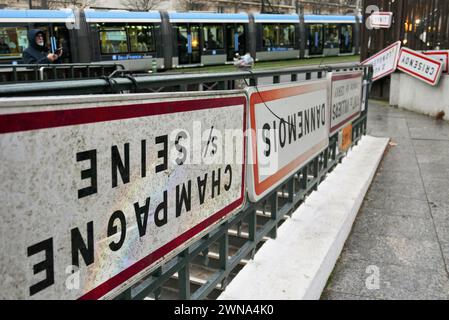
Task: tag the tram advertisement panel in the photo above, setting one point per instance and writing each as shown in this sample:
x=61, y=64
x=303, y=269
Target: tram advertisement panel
x=289, y=125
x=345, y=99
x=95, y=191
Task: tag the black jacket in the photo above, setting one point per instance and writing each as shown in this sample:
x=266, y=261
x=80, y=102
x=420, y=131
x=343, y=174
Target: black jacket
x=35, y=54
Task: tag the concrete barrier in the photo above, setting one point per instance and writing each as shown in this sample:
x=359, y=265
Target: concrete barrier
x=412, y=94
x=297, y=264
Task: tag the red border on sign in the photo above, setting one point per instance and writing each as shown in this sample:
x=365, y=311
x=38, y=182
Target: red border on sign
x=397, y=43
x=338, y=77
x=20, y=122
x=382, y=14
x=424, y=58
x=444, y=53
x=270, y=95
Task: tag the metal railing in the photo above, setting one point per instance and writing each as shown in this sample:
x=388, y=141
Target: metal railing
x=124, y=82
x=19, y=73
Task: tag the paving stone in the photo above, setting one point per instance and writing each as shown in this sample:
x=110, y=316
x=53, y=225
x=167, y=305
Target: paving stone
x=402, y=190
x=380, y=222
x=437, y=189
x=421, y=254
x=431, y=170
x=395, y=281
x=393, y=205
x=431, y=151
x=335, y=295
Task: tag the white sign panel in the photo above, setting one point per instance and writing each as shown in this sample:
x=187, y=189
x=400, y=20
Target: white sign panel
x=420, y=66
x=289, y=126
x=107, y=187
x=384, y=62
x=441, y=55
x=381, y=19
x=345, y=99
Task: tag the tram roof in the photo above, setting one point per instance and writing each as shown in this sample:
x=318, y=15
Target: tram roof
x=19, y=15
x=208, y=17
x=122, y=16
x=279, y=18
x=329, y=19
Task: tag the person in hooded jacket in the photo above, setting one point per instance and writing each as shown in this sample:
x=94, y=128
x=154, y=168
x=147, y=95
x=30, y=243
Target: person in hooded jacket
x=37, y=52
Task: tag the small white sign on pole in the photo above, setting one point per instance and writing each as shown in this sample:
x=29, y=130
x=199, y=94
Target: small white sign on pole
x=384, y=62
x=381, y=19
x=441, y=55
x=420, y=66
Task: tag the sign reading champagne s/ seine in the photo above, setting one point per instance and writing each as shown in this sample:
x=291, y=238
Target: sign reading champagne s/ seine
x=384, y=62
x=96, y=191
x=346, y=99
x=289, y=126
x=420, y=66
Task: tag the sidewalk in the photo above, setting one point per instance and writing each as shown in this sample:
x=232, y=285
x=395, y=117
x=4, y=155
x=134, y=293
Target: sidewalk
x=399, y=244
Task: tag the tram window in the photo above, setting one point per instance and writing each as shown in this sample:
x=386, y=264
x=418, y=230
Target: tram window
x=278, y=35
x=270, y=35
x=287, y=35
x=13, y=41
x=213, y=37
x=141, y=38
x=315, y=35
x=113, y=40
x=346, y=37
x=331, y=36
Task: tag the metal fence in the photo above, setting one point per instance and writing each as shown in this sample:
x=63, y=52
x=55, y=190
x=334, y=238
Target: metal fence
x=204, y=268
x=20, y=73
x=124, y=82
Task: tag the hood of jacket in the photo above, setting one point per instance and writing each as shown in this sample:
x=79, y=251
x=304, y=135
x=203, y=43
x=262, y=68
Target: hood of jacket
x=32, y=39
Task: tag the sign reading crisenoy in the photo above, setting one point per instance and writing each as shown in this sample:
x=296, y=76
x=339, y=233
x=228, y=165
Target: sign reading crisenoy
x=420, y=66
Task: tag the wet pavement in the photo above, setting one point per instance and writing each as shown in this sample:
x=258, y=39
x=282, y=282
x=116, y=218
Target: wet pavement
x=399, y=244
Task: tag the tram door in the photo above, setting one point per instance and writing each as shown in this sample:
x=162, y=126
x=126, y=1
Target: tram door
x=189, y=44
x=315, y=39
x=235, y=40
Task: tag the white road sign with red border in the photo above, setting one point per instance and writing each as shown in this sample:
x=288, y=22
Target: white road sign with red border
x=420, y=66
x=384, y=62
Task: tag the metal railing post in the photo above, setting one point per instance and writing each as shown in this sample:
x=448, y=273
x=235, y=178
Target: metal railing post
x=184, y=276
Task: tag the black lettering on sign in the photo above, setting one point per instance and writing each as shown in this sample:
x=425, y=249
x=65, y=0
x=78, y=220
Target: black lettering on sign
x=266, y=129
x=142, y=225
x=185, y=197
x=161, y=207
x=202, y=187
x=143, y=160
x=291, y=128
x=181, y=159
x=228, y=169
x=162, y=153
x=117, y=163
x=90, y=173
x=112, y=229
x=46, y=265
x=78, y=244
x=216, y=183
